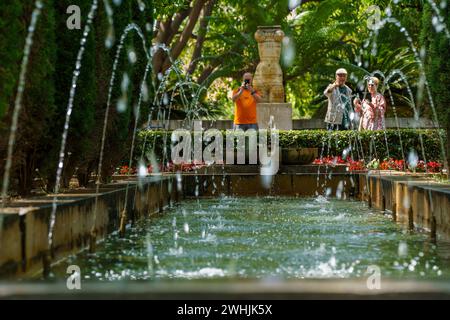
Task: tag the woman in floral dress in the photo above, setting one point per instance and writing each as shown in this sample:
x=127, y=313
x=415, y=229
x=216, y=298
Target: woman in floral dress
x=371, y=112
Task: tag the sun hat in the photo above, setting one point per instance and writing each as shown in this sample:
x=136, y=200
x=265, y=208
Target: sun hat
x=341, y=71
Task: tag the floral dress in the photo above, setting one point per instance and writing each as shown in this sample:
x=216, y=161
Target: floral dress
x=372, y=118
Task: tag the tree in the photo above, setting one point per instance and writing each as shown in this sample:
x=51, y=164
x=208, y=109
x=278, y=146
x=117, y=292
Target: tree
x=12, y=30
x=38, y=100
x=437, y=61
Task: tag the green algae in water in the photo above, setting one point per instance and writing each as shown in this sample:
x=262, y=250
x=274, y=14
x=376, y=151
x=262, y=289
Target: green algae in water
x=270, y=237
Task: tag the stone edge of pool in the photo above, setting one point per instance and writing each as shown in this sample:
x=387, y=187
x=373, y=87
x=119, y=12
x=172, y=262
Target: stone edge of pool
x=235, y=290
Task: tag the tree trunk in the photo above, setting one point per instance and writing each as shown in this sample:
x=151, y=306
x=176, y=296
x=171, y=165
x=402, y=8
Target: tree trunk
x=166, y=32
x=207, y=10
x=178, y=47
x=161, y=37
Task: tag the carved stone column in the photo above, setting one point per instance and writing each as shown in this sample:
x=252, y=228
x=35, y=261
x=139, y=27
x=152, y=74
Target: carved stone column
x=268, y=80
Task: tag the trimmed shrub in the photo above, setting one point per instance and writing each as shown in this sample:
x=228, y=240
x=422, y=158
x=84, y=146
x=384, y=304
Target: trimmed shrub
x=365, y=144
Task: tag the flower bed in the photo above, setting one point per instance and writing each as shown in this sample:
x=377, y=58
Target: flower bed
x=170, y=167
x=388, y=164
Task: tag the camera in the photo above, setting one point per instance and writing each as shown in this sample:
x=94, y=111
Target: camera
x=246, y=82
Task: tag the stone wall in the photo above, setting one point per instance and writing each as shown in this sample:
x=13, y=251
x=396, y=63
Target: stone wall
x=253, y=184
x=413, y=200
x=24, y=240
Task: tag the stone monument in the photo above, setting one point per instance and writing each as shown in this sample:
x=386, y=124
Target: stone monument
x=268, y=80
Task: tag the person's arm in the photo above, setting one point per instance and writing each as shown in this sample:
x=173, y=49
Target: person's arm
x=257, y=96
x=237, y=94
x=369, y=103
x=369, y=109
x=357, y=104
x=381, y=104
x=329, y=89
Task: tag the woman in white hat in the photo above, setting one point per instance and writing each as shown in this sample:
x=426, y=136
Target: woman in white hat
x=371, y=110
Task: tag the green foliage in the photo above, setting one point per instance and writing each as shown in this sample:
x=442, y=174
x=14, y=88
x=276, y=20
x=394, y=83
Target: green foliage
x=437, y=64
x=83, y=116
x=38, y=103
x=373, y=143
x=334, y=34
x=120, y=132
x=50, y=71
x=370, y=143
x=12, y=39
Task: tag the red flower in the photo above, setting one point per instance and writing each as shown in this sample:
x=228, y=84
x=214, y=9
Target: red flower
x=434, y=167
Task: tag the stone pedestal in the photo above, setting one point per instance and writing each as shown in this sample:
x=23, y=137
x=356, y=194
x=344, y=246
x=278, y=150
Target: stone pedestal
x=280, y=113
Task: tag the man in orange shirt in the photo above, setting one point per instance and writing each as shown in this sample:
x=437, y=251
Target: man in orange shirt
x=245, y=98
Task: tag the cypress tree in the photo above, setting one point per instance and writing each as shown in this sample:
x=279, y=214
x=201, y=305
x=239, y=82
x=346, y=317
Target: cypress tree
x=38, y=98
x=437, y=64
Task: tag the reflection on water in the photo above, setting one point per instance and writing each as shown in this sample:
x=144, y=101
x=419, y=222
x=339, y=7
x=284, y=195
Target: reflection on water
x=264, y=238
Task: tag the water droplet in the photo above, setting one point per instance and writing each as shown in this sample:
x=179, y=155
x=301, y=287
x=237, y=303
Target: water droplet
x=288, y=51
x=141, y=5
x=109, y=41
x=340, y=189
x=122, y=104
x=413, y=159
x=406, y=202
x=402, y=249
x=125, y=82
x=142, y=170
x=132, y=56
x=388, y=11
x=293, y=4
x=352, y=116
x=422, y=53
x=145, y=95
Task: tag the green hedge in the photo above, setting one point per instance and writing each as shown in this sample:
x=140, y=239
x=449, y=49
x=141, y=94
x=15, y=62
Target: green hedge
x=370, y=143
